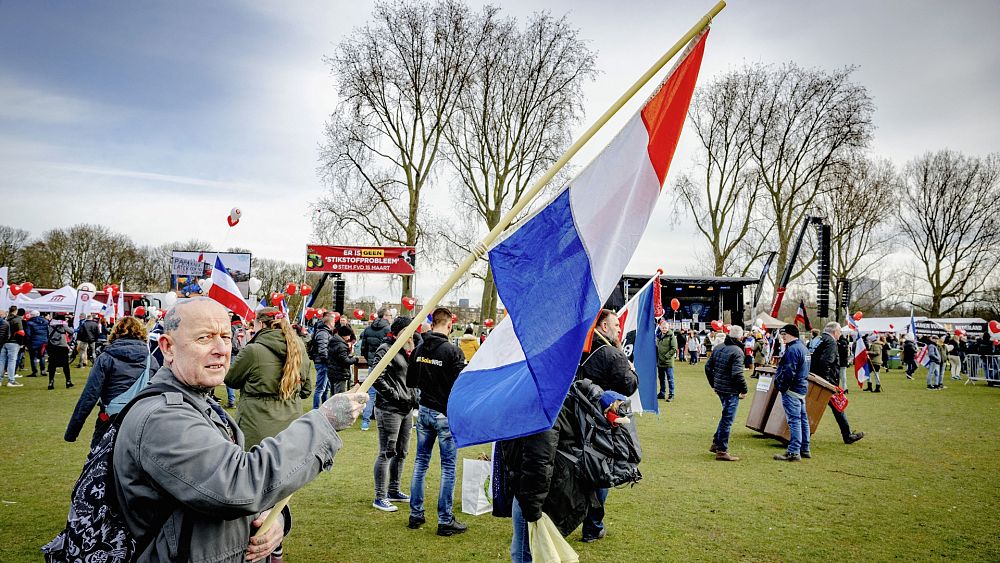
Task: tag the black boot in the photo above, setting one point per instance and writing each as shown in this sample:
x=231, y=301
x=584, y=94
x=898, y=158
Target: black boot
x=878, y=389
x=69, y=383
x=869, y=388
x=52, y=383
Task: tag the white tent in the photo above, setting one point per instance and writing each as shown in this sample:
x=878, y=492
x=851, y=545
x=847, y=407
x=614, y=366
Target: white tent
x=769, y=322
x=900, y=325
x=62, y=300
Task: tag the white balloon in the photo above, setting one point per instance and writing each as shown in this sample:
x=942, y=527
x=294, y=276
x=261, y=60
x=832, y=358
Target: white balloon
x=205, y=284
x=87, y=286
x=255, y=284
x=169, y=299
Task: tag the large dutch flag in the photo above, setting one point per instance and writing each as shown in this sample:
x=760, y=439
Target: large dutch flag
x=224, y=291
x=556, y=269
x=638, y=336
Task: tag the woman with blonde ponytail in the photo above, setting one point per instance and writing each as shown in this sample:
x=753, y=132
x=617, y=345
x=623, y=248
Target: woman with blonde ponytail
x=273, y=375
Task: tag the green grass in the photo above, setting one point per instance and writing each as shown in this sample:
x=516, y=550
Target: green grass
x=922, y=485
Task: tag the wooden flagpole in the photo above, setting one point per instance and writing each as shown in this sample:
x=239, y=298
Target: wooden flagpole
x=481, y=247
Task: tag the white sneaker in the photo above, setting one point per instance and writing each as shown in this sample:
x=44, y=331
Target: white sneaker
x=14, y=384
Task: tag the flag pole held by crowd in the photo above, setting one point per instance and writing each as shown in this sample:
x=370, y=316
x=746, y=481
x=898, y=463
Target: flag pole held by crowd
x=481, y=248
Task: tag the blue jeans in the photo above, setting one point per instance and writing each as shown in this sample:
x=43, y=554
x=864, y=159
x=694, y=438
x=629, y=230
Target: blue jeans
x=934, y=375
x=798, y=423
x=370, y=405
x=430, y=425
x=320, y=394
x=730, y=401
x=8, y=360
x=667, y=373
x=230, y=395
x=520, y=549
x=594, y=522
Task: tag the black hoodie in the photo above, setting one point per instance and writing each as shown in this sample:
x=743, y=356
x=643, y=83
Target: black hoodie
x=434, y=367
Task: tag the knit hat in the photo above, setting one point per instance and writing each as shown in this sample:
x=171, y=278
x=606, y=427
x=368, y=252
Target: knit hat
x=790, y=330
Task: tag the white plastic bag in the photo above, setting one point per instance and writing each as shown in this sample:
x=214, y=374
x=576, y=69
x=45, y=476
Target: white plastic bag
x=477, y=496
x=547, y=544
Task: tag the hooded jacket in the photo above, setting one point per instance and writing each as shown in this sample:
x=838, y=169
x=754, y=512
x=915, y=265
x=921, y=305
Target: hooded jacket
x=469, y=345
x=666, y=349
x=371, y=338
x=607, y=367
x=434, y=367
x=114, y=371
x=391, y=392
x=175, y=461
x=257, y=372
x=57, y=334
x=37, y=332
x=16, y=329
x=89, y=331
x=724, y=368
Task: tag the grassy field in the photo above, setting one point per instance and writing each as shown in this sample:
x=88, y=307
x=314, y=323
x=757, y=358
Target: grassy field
x=922, y=485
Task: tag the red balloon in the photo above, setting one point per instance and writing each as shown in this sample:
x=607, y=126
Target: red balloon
x=725, y=328
x=108, y=289
x=409, y=303
x=359, y=314
x=891, y=327
x=858, y=316
x=994, y=327
x=488, y=323
x=276, y=298
x=310, y=313
x=675, y=304
x=958, y=332
x=336, y=315
x=291, y=288
x=371, y=317
x=716, y=325
x=15, y=289
x=26, y=287
x=454, y=317
x=305, y=289
x=139, y=311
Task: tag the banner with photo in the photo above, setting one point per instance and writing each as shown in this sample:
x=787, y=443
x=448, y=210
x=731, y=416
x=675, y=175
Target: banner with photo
x=190, y=270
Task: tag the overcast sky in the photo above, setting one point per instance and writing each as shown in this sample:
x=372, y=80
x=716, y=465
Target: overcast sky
x=156, y=118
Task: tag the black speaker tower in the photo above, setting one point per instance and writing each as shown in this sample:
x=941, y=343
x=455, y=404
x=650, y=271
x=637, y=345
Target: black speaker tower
x=823, y=273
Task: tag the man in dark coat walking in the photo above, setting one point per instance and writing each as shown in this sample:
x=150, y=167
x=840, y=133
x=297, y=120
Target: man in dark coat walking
x=724, y=370
x=825, y=363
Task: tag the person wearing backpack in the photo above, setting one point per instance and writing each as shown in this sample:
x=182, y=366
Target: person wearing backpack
x=57, y=348
x=182, y=476
x=318, y=350
x=114, y=372
x=607, y=366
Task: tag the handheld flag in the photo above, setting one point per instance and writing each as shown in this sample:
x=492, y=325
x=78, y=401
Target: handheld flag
x=638, y=325
x=853, y=324
x=801, y=317
x=224, y=291
x=580, y=242
x=922, y=357
x=121, y=302
x=913, y=324
x=862, y=369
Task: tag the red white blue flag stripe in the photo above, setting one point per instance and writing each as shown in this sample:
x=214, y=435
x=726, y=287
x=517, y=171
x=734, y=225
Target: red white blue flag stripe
x=224, y=291
x=555, y=271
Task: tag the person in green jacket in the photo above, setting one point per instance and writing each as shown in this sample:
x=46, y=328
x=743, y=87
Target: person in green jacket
x=666, y=351
x=274, y=375
x=271, y=381
x=875, y=358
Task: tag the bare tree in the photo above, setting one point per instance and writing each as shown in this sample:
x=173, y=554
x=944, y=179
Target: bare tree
x=950, y=216
x=400, y=77
x=12, y=242
x=514, y=120
x=806, y=125
x=721, y=191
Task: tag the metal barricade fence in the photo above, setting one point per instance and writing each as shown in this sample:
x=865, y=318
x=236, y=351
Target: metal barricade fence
x=982, y=368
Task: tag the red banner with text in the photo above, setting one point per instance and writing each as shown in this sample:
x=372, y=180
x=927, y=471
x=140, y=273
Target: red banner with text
x=399, y=260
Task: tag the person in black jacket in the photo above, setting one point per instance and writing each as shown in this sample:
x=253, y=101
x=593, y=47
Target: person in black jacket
x=86, y=341
x=825, y=362
x=844, y=355
x=57, y=348
x=114, y=371
x=371, y=338
x=909, y=356
x=434, y=367
x=540, y=481
x=334, y=351
x=319, y=349
x=8, y=353
x=395, y=402
x=724, y=371
x=607, y=366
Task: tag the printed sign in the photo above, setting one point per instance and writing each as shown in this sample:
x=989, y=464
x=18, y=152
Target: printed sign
x=400, y=260
x=764, y=383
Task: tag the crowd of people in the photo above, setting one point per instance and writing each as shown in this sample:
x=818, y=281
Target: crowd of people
x=208, y=491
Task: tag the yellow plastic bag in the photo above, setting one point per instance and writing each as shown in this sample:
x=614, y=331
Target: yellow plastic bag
x=547, y=544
